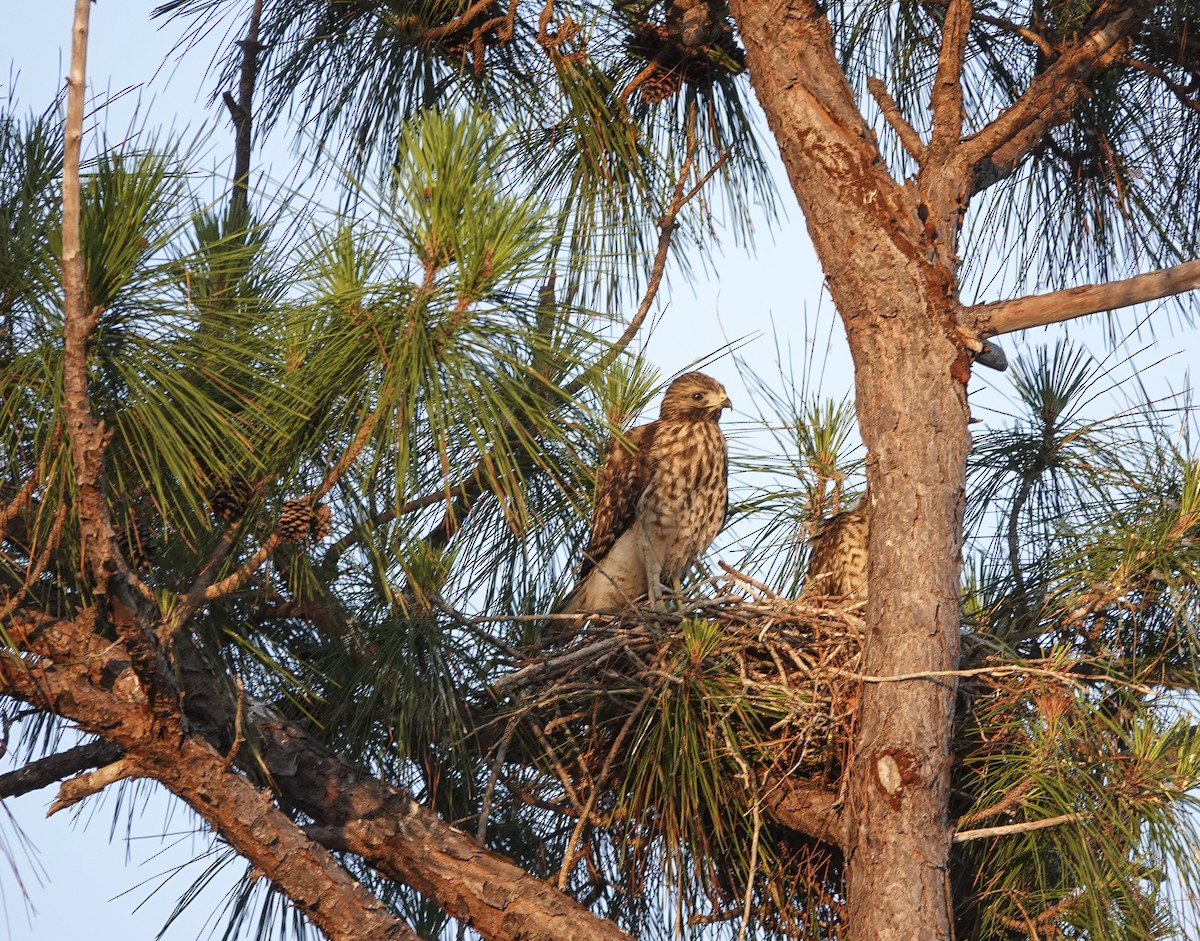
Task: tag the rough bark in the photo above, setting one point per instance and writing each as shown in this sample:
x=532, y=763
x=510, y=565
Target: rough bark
x=889, y=253
x=893, y=286
x=82, y=677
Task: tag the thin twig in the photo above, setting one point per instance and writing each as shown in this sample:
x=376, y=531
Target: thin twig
x=239, y=711
x=468, y=624
x=525, y=674
x=485, y=807
x=38, y=564
x=1003, y=670
x=335, y=551
x=740, y=576
x=666, y=233
x=1181, y=92
x=569, y=857
x=1010, y=828
x=247, y=568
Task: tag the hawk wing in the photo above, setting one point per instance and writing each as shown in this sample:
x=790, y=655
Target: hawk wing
x=613, y=571
x=619, y=486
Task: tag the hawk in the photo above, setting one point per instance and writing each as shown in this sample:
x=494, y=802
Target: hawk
x=661, y=499
x=837, y=561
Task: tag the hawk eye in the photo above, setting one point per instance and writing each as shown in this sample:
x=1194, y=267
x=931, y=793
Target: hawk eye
x=697, y=396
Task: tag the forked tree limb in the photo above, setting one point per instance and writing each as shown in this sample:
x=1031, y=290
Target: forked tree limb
x=998, y=148
x=997, y=317
x=411, y=844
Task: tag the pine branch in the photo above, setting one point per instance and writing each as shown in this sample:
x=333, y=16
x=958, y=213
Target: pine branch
x=946, y=97
x=87, y=438
x=1008, y=829
x=109, y=569
x=474, y=487
x=202, y=591
x=244, y=815
x=378, y=822
x=909, y=138
x=999, y=317
x=54, y=768
x=995, y=152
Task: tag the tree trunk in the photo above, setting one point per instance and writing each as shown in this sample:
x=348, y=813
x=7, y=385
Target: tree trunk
x=888, y=265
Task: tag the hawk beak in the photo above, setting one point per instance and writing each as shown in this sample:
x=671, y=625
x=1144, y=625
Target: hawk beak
x=726, y=403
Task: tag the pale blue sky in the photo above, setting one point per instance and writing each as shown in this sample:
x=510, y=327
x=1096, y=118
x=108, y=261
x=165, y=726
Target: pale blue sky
x=86, y=884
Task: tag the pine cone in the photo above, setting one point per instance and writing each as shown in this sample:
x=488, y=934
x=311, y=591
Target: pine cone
x=660, y=85
x=229, y=501
x=322, y=522
x=296, y=519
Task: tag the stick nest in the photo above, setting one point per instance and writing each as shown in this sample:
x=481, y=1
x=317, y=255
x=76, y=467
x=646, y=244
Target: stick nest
x=767, y=684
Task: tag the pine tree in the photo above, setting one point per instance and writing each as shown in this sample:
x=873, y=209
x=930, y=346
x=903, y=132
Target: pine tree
x=286, y=497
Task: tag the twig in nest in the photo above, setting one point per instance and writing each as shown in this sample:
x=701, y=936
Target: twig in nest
x=501, y=753
x=570, y=856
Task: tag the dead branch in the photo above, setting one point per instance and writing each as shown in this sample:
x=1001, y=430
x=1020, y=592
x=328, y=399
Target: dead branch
x=53, y=768
x=998, y=317
x=242, y=113
x=963, y=836
x=109, y=569
x=91, y=782
x=909, y=138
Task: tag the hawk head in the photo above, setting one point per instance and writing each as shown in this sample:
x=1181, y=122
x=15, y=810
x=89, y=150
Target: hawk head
x=694, y=397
